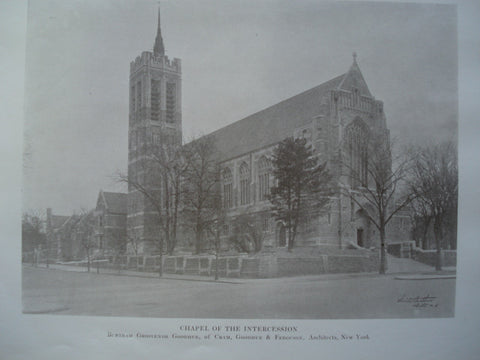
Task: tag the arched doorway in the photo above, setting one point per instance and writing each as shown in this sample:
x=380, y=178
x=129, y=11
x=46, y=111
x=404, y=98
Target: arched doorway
x=281, y=235
x=360, y=237
x=362, y=229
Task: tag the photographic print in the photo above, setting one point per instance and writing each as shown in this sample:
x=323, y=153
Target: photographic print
x=240, y=159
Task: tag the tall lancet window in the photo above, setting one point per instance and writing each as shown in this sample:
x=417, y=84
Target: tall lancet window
x=171, y=101
x=357, y=147
x=263, y=178
x=139, y=95
x=244, y=184
x=227, y=188
x=155, y=99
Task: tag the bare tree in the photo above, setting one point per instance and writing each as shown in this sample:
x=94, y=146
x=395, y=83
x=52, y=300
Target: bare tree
x=158, y=178
x=435, y=182
x=170, y=161
x=133, y=239
x=201, y=190
x=376, y=182
x=33, y=233
x=421, y=219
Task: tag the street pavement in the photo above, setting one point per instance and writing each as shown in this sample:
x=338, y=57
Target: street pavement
x=330, y=296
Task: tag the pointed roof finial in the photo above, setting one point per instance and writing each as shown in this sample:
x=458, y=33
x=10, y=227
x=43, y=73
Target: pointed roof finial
x=354, y=56
x=158, y=48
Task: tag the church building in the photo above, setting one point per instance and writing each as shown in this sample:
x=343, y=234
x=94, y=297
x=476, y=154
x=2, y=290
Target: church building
x=334, y=117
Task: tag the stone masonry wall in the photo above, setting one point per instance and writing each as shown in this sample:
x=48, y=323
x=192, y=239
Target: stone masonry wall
x=245, y=266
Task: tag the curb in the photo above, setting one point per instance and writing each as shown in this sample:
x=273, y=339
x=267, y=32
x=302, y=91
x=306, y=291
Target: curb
x=425, y=277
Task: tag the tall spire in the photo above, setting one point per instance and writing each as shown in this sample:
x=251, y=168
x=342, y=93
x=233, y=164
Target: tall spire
x=158, y=48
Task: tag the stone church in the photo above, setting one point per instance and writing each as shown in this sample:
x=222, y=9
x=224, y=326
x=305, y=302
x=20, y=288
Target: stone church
x=333, y=117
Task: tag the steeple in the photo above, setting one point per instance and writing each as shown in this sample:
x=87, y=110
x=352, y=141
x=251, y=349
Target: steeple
x=158, y=48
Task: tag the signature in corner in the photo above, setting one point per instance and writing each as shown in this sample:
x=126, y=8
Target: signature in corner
x=419, y=301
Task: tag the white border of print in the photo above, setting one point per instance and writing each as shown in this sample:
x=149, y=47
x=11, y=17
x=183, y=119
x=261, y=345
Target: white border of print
x=60, y=337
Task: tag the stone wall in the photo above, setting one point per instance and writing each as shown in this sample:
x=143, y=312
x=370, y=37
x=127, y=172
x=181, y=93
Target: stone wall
x=263, y=265
x=327, y=264
x=403, y=249
x=429, y=257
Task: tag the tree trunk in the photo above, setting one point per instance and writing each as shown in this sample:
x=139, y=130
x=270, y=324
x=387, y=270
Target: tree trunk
x=160, y=268
x=426, y=224
x=437, y=229
x=46, y=252
x=383, y=258
x=295, y=223
x=175, y=219
x=198, y=237
x=217, y=240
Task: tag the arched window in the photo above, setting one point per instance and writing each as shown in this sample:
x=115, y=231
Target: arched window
x=357, y=147
x=227, y=188
x=244, y=184
x=263, y=178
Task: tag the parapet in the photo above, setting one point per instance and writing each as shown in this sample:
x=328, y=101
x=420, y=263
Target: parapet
x=161, y=62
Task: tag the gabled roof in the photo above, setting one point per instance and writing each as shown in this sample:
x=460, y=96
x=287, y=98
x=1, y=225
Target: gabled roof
x=273, y=124
x=353, y=78
x=114, y=202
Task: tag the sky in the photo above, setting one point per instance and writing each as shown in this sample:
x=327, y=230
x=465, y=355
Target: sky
x=238, y=57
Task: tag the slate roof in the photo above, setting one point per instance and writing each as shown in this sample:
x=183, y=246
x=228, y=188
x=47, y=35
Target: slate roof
x=115, y=202
x=273, y=124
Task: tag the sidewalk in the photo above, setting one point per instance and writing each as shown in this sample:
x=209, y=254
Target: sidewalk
x=396, y=270
x=408, y=269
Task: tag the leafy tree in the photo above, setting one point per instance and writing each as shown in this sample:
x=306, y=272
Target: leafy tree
x=302, y=184
x=435, y=183
x=201, y=192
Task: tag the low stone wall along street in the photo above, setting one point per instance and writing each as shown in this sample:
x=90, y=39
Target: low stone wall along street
x=429, y=257
x=261, y=265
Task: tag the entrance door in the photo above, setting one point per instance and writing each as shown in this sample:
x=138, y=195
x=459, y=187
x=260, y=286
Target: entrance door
x=360, y=237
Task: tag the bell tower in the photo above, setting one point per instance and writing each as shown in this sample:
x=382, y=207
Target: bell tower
x=155, y=121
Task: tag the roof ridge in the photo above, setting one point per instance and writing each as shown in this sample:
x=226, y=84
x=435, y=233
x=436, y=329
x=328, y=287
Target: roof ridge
x=278, y=103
